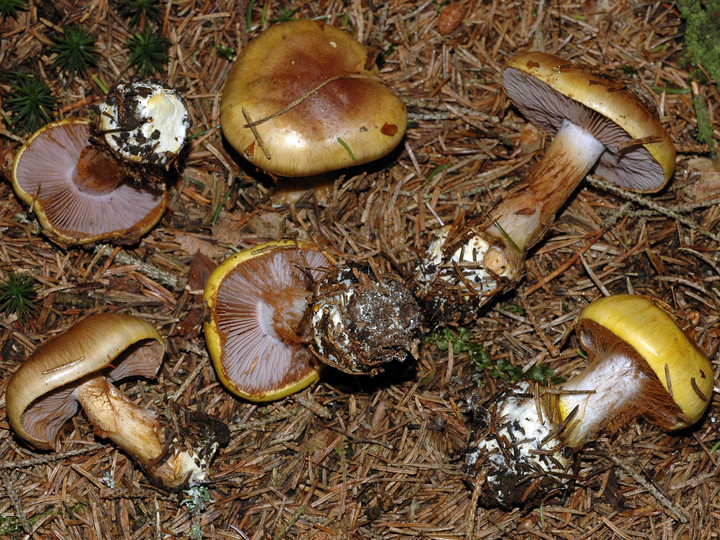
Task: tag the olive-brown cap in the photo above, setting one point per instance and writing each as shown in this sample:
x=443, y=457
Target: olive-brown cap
x=80, y=192
x=39, y=396
x=353, y=119
x=639, y=153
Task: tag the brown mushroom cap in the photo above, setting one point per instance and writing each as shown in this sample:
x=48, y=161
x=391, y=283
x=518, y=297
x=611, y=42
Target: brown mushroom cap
x=548, y=90
x=288, y=61
x=80, y=193
x=39, y=397
x=257, y=299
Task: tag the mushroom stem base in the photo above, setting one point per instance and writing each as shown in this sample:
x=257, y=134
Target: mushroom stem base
x=172, y=460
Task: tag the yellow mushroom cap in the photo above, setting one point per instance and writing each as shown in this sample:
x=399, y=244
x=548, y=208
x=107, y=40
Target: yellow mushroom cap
x=353, y=119
x=257, y=299
x=684, y=371
x=548, y=89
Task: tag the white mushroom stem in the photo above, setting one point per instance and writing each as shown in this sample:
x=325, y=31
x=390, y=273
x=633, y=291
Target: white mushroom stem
x=139, y=432
x=491, y=255
x=526, y=214
x=607, y=389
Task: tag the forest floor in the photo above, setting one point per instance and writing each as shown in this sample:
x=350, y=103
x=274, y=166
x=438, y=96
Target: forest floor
x=380, y=457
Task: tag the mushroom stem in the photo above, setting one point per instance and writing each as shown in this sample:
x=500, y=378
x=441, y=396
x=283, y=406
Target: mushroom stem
x=136, y=430
x=478, y=260
x=169, y=461
x=526, y=214
x=608, y=389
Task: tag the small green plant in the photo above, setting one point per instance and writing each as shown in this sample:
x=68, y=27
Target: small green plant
x=462, y=343
x=30, y=101
x=196, y=498
x=9, y=8
x=75, y=49
x=135, y=10
x=17, y=295
x=285, y=14
x=228, y=53
x=148, y=51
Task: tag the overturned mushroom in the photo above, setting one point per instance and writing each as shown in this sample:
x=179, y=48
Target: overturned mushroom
x=78, y=367
x=640, y=364
x=281, y=310
x=80, y=192
x=144, y=123
x=257, y=300
x=305, y=98
x=597, y=125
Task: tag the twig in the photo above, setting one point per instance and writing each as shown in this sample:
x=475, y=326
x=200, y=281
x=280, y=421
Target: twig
x=655, y=207
x=15, y=500
x=50, y=457
x=252, y=123
x=255, y=133
x=147, y=269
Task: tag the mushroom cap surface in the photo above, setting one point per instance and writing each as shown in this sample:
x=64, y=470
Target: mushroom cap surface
x=548, y=89
x=80, y=193
x=684, y=371
x=39, y=396
x=288, y=61
x=257, y=299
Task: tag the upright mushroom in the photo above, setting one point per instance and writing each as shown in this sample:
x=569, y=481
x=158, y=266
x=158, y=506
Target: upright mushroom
x=79, y=367
x=305, y=98
x=640, y=364
x=596, y=123
x=80, y=192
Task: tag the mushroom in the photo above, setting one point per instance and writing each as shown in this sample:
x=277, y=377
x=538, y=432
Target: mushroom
x=305, y=98
x=359, y=320
x=640, y=364
x=256, y=300
x=596, y=123
x=79, y=367
x=144, y=123
x=80, y=192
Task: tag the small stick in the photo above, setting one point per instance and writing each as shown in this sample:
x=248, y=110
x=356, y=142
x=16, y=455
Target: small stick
x=255, y=133
x=252, y=123
x=15, y=500
x=50, y=457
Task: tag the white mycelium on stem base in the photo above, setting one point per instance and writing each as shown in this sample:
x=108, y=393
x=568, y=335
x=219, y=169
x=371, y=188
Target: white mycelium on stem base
x=595, y=124
x=145, y=123
x=641, y=364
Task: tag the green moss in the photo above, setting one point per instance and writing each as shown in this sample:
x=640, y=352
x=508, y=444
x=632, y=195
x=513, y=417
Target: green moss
x=461, y=343
x=30, y=101
x=704, y=127
x=9, y=8
x=702, y=34
x=75, y=49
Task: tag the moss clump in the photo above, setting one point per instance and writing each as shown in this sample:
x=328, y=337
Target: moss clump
x=702, y=34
